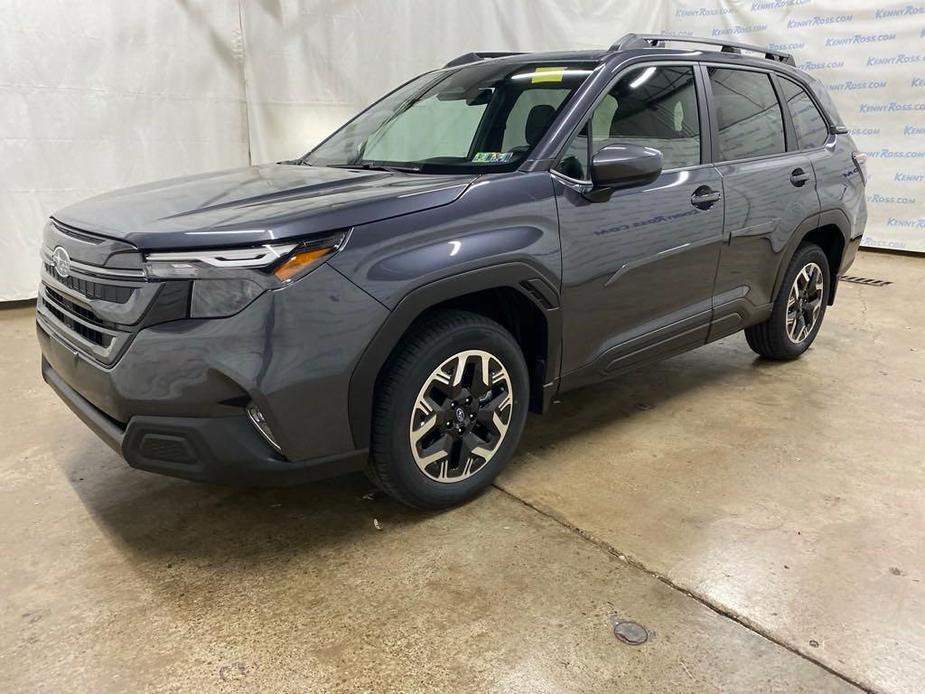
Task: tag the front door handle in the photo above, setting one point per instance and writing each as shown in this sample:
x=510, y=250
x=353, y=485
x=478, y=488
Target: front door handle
x=705, y=197
x=799, y=177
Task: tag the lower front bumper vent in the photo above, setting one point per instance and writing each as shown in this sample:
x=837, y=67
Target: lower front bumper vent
x=173, y=449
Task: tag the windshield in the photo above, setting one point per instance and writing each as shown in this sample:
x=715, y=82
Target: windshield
x=480, y=118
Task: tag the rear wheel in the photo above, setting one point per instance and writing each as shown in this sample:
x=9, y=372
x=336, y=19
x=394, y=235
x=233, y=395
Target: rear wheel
x=449, y=411
x=798, y=308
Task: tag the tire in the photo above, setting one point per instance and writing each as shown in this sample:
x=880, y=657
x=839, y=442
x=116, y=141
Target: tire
x=415, y=407
x=787, y=334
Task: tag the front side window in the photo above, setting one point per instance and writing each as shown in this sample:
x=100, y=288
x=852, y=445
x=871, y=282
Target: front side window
x=750, y=122
x=479, y=118
x=810, y=126
x=650, y=106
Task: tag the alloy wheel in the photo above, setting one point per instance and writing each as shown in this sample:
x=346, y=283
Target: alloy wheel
x=461, y=416
x=804, y=303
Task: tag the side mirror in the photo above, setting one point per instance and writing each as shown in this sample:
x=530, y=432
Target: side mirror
x=621, y=166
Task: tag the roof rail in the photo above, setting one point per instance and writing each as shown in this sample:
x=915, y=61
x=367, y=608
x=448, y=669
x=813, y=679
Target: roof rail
x=629, y=41
x=467, y=58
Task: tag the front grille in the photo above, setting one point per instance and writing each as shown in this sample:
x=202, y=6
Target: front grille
x=66, y=304
x=85, y=331
x=117, y=294
x=102, y=300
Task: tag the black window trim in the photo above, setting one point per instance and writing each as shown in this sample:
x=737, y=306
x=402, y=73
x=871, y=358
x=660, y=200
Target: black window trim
x=714, y=121
x=812, y=98
x=703, y=113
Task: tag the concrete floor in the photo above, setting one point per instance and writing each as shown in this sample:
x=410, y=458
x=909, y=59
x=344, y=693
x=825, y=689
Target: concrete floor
x=764, y=522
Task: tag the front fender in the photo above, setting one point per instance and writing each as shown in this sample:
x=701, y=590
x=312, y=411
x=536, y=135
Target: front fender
x=501, y=218
x=525, y=278
x=502, y=232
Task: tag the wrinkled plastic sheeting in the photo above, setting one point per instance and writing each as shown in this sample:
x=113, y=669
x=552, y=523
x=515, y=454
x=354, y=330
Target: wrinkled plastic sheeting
x=105, y=94
x=100, y=95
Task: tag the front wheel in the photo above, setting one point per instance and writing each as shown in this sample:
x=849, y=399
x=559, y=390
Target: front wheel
x=798, y=308
x=450, y=408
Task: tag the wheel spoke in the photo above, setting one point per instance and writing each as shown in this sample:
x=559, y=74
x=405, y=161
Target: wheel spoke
x=459, y=369
x=426, y=405
x=486, y=449
x=439, y=450
x=423, y=429
x=481, y=377
x=468, y=457
x=815, y=305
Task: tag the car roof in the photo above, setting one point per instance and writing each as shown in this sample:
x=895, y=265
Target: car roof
x=632, y=48
x=650, y=46
x=615, y=56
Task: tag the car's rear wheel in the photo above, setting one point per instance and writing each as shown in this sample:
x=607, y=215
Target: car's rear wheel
x=450, y=409
x=798, y=308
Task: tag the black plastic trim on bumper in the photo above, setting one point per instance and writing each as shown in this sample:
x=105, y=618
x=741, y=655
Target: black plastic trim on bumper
x=224, y=450
x=104, y=427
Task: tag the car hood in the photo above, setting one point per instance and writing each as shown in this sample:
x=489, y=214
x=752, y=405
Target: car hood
x=257, y=204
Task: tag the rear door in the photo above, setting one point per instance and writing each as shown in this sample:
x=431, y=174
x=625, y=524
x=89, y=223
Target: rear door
x=638, y=269
x=769, y=190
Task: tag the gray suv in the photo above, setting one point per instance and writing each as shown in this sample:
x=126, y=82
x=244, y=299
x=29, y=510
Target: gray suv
x=489, y=234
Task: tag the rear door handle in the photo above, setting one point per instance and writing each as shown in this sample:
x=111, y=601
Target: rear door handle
x=704, y=197
x=798, y=177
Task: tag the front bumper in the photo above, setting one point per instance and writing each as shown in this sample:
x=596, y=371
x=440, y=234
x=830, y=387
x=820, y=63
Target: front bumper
x=224, y=450
x=174, y=402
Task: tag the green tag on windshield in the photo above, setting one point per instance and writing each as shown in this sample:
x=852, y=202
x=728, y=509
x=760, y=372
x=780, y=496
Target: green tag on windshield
x=492, y=157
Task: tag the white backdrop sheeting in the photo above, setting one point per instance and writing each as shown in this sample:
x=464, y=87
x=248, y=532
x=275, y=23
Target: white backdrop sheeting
x=95, y=96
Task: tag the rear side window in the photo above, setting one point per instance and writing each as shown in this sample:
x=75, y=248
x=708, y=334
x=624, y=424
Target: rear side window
x=750, y=121
x=808, y=123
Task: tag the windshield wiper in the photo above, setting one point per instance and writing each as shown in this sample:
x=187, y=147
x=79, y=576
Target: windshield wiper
x=373, y=166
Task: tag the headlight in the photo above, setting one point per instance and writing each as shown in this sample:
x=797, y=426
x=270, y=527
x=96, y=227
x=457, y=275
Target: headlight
x=226, y=280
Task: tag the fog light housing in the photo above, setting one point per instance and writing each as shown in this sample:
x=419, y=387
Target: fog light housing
x=260, y=423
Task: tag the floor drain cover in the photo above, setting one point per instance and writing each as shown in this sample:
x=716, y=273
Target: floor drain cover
x=630, y=632
x=870, y=282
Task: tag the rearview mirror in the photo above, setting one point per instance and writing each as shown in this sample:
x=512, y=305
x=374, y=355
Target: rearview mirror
x=621, y=166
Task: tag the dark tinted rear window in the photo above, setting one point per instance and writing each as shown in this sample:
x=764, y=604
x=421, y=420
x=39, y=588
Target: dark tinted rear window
x=749, y=115
x=809, y=125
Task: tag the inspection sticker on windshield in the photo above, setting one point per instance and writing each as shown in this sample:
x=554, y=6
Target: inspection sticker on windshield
x=493, y=157
x=548, y=74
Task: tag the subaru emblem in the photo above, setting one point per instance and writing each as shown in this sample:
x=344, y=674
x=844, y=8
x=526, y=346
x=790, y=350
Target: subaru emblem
x=61, y=262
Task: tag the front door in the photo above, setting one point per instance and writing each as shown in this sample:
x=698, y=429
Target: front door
x=638, y=269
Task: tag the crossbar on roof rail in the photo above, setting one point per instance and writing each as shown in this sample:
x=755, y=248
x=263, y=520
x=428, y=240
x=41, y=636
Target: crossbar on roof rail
x=629, y=41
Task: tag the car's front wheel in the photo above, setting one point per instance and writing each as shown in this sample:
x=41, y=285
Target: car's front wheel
x=450, y=408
